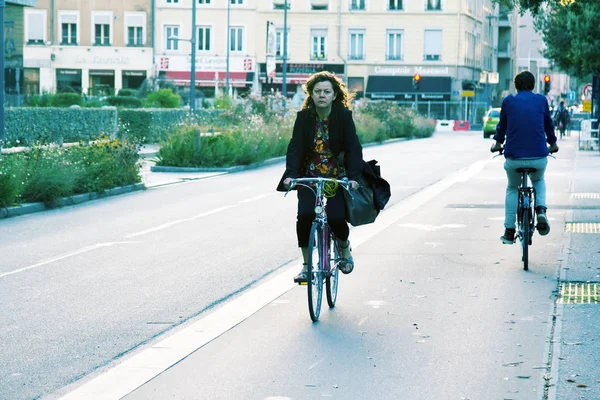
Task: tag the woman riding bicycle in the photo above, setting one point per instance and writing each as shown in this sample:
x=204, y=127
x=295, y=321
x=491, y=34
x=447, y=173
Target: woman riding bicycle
x=323, y=128
x=526, y=125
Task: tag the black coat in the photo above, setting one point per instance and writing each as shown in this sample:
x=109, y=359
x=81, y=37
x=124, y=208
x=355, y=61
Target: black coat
x=342, y=137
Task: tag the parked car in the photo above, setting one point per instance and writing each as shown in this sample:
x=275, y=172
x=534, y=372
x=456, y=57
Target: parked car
x=490, y=120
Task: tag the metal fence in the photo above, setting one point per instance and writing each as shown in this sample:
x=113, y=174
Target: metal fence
x=450, y=110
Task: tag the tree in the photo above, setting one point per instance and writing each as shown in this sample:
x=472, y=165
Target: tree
x=571, y=35
x=570, y=30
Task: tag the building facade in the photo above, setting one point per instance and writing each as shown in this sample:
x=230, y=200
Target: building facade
x=217, y=63
x=94, y=47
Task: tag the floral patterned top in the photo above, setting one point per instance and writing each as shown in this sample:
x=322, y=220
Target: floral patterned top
x=321, y=161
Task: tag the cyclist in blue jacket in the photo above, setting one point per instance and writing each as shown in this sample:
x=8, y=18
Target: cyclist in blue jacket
x=526, y=126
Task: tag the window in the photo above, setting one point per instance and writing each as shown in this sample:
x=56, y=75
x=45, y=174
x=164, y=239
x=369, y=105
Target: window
x=204, y=2
x=394, y=5
x=172, y=1
x=318, y=47
x=433, y=44
x=319, y=5
x=357, y=4
x=433, y=5
x=102, y=28
x=203, y=38
x=171, y=44
x=236, y=36
x=36, y=26
x=237, y=2
x=69, y=21
x=356, y=42
x=280, y=4
x=135, y=24
x=279, y=44
x=395, y=45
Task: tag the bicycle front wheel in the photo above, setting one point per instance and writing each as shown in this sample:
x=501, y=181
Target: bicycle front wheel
x=334, y=257
x=315, y=272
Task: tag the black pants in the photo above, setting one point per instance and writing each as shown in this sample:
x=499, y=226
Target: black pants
x=336, y=215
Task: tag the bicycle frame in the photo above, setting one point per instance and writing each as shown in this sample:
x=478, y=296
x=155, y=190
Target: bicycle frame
x=321, y=240
x=526, y=216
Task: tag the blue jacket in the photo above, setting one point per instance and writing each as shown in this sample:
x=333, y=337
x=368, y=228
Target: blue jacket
x=526, y=125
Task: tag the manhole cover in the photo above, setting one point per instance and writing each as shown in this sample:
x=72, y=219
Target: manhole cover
x=582, y=227
x=585, y=195
x=579, y=293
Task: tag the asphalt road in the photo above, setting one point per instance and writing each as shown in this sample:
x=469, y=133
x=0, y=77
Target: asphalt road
x=436, y=308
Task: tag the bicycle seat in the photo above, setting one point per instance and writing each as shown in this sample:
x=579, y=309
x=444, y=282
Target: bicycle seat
x=528, y=170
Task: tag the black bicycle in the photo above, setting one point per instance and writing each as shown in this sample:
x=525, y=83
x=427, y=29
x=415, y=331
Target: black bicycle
x=525, y=212
x=324, y=249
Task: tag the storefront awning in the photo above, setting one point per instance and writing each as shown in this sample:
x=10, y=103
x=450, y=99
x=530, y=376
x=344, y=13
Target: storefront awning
x=293, y=79
x=210, y=78
x=391, y=86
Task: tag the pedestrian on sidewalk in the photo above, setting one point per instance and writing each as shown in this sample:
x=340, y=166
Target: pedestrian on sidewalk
x=323, y=129
x=526, y=126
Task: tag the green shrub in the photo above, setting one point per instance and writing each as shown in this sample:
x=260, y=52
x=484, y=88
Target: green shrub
x=241, y=145
x=94, y=103
x=224, y=102
x=369, y=129
x=42, y=100
x=154, y=125
x=105, y=164
x=11, y=175
x=128, y=92
x=124, y=101
x=47, y=174
x=66, y=100
x=164, y=98
x=29, y=125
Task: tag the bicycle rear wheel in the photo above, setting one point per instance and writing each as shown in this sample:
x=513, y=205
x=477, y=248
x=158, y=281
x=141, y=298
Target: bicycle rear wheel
x=334, y=256
x=525, y=239
x=315, y=272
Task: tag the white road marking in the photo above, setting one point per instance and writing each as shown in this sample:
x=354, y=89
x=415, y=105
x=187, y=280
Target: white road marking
x=172, y=223
x=362, y=321
x=64, y=256
x=432, y=228
x=262, y=196
x=315, y=364
x=135, y=371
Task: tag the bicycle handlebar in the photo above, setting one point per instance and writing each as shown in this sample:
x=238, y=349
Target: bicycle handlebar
x=344, y=182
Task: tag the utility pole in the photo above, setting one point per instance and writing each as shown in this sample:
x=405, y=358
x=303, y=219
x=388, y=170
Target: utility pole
x=2, y=7
x=193, y=77
x=284, y=84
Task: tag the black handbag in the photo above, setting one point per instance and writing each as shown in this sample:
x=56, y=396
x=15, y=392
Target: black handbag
x=360, y=208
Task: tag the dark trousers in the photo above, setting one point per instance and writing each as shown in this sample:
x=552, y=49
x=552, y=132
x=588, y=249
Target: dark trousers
x=336, y=215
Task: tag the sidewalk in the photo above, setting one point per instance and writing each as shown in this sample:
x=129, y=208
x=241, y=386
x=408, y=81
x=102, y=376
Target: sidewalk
x=576, y=359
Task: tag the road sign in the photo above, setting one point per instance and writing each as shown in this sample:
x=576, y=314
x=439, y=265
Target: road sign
x=467, y=93
x=587, y=91
x=587, y=106
x=571, y=96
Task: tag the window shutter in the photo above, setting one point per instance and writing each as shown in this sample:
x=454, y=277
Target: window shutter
x=102, y=19
x=433, y=42
x=35, y=26
x=68, y=18
x=135, y=20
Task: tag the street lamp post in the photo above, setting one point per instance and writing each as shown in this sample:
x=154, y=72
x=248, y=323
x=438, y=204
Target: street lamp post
x=193, y=69
x=284, y=84
x=2, y=6
x=228, y=46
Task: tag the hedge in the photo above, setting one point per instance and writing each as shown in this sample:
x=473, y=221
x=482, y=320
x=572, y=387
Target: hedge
x=25, y=126
x=152, y=125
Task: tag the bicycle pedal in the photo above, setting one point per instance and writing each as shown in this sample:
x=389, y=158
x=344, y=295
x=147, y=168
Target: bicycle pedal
x=302, y=283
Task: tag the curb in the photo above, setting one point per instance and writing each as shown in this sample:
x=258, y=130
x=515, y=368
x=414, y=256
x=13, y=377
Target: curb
x=30, y=208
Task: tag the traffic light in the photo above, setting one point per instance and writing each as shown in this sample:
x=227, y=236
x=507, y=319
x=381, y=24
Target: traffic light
x=547, y=84
x=416, y=81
